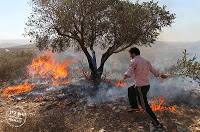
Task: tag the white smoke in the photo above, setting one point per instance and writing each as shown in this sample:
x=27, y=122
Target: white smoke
x=162, y=57
x=107, y=93
x=175, y=89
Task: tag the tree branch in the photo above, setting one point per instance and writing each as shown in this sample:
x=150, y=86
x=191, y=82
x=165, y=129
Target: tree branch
x=65, y=35
x=122, y=48
x=134, y=41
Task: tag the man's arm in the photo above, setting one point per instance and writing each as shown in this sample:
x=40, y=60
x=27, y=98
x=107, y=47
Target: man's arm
x=156, y=73
x=130, y=70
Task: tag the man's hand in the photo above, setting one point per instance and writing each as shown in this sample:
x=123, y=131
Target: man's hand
x=164, y=76
x=125, y=77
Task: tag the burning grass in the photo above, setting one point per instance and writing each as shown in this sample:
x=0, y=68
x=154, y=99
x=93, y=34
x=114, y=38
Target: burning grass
x=120, y=84
x=158, y=104
x=46, y=66
x=43, y=67
x=21, y=88
x=54, y=73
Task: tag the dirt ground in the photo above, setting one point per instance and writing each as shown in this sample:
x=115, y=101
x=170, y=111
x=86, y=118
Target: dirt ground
x=68, y=116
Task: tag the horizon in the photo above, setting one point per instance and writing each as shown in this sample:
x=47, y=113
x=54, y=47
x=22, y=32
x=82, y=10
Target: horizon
x=27, y=40
x=9, y=43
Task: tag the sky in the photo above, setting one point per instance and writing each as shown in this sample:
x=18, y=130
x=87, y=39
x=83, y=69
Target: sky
x=14, y=13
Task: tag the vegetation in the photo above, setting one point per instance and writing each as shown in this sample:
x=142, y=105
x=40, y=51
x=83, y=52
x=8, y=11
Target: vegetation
x=188, y=66
x=112, y=25
x=13, y=64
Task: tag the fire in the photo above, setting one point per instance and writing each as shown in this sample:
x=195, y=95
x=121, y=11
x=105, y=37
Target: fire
x=25, y=87
x=120, y=84
x=158, y=104
x=45, y=66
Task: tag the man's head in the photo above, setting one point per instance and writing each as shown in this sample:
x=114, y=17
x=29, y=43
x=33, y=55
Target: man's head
x=134, y=52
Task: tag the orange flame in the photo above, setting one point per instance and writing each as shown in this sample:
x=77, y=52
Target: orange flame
x=46, y=66
x=158, y=104
x=25, y=87
x=120, y=84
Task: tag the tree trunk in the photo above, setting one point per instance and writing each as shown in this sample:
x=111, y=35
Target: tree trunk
x=96, y=75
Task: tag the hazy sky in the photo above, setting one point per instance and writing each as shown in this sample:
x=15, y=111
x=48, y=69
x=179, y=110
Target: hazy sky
x=14, y=13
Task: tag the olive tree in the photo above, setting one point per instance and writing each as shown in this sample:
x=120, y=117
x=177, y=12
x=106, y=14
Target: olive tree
x=112, y=25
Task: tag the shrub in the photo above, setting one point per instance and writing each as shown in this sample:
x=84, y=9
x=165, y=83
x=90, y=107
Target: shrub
x=188, y=66
x=13, y=64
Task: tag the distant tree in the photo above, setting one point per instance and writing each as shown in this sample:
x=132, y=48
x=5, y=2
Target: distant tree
x=112, y=25
x=188, y=66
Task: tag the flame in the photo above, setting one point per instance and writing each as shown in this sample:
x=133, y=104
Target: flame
x=158, y=104
x=25, y=87
x=120, y=84
x=45, y=66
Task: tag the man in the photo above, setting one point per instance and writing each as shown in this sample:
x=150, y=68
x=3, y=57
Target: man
x=140, y=69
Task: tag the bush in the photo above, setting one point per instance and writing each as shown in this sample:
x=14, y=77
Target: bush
x=188, y=66
x=13, y=64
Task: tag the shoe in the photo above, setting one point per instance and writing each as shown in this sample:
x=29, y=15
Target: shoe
x=159, y=127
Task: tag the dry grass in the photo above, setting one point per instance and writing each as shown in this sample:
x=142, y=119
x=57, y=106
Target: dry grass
x=112, y=117
x=13, y=64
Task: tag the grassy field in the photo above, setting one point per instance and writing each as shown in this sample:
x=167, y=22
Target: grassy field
x=13, y=62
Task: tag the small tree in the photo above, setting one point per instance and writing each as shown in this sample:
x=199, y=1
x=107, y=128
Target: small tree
x=188, y=66
x=112, y=25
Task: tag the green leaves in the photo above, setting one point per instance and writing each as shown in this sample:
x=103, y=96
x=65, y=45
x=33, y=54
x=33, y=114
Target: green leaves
x=101, y=23
x=188, y=66
x=112, y=25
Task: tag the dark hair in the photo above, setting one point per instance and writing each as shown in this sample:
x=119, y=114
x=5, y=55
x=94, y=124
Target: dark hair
x=134, y=50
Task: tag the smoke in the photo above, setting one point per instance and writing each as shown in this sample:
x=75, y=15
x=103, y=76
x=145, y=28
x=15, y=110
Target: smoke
x=176, y=90
x=107, y=93
x=181, y=90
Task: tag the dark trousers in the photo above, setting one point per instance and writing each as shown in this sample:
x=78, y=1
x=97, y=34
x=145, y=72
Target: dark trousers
x=133, y=96
x=139, y=95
